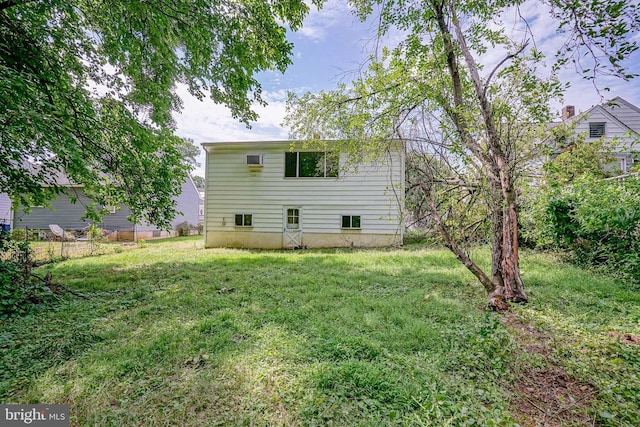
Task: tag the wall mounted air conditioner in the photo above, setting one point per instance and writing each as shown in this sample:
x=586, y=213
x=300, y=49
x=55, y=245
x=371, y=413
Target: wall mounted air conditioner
x=255, y=160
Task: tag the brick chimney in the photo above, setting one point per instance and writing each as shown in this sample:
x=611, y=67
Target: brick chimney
x=568, y=111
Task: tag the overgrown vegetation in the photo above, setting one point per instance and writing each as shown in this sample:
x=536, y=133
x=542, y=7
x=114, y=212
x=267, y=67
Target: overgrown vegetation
x=598, y=222
x=173, y=334
x=578, y=210
x=20, y=291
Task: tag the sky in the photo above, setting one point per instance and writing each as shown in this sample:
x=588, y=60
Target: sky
x=332, y=45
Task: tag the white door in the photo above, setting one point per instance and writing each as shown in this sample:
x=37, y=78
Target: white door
x=292, y=236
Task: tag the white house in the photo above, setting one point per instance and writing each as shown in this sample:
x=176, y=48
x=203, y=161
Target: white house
x=263, y=194
x=613, y=119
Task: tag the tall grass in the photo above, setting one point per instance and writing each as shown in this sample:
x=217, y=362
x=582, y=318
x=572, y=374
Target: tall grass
x=172, y=334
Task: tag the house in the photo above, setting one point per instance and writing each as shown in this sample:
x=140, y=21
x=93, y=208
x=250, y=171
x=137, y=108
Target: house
x=68, y=215
x=276, y=194
x=616, y=118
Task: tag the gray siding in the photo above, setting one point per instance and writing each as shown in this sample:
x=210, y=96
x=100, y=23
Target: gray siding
x=5, y=209
x=188, y=203
x=625, y=112
x=68, y=215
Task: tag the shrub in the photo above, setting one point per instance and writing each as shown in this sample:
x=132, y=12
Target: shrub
x=19, y=290
x=184, y=229
x=598, y=221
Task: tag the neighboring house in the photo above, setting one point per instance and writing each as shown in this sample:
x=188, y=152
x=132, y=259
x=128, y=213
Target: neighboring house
x=69, y=215
x=201, y=207
x=613, y=119
x=5, y=210
x=264, y=195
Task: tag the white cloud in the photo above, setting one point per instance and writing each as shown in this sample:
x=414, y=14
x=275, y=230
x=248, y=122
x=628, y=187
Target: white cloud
x=205, y=121
x=318, y=22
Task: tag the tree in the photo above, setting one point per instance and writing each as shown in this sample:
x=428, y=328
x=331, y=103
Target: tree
x=199, y=182
x=189, y=152
x=433, y=88
x=89, y=87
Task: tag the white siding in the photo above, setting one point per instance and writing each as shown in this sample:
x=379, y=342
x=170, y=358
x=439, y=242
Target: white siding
x=625, y=117
x=233, y=187
x=597, y=114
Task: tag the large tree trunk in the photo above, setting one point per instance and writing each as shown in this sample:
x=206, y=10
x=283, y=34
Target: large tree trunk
x=505, y=284
x=505, y=256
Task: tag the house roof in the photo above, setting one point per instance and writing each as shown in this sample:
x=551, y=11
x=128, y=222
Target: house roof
x=608, y=109
x=208, y=146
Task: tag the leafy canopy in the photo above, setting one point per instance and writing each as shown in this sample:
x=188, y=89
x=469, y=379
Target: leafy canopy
x=88, y=87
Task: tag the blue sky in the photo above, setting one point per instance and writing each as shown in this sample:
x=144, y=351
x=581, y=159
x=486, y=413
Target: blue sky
x=331, y=45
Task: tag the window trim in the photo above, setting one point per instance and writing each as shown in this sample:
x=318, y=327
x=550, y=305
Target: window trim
x=351, y=217
x=294, y=215
x=243, y=219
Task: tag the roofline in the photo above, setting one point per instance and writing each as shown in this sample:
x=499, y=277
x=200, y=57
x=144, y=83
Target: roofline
x=585, y=115
x=624, y=101
x=207, y=146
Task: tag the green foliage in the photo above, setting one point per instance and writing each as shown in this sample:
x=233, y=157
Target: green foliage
x=199, y=182
x=326, y=337
x=598, y=221
x=19, y=291
x=579, y=157
x=189, y=152
x=88, y=89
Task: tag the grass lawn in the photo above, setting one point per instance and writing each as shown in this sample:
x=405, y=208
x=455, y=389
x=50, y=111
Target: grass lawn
x=172, y=334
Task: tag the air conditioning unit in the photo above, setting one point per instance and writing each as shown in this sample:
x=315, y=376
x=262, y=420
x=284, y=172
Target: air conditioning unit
x=255, y=160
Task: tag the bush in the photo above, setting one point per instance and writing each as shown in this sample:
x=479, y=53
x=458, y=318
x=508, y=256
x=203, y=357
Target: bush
x=184, y=229
x=19, y=290
x=597, y=221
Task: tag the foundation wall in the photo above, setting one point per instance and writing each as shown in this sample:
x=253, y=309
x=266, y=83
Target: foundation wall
x=258, y=240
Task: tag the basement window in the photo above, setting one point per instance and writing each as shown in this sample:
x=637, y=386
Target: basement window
x=351, y=221
x=244, y=220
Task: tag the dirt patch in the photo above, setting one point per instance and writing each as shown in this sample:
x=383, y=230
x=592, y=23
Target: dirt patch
x=546, y=396
x=549, y=397
x=625, y=338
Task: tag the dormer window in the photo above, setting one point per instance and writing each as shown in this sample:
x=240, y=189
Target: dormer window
x=596, y=129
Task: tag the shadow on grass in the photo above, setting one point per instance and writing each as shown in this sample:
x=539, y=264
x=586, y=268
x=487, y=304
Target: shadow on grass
x=267, y=338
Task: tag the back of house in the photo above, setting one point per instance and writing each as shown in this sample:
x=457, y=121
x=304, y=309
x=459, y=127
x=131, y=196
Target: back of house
x=275, y=194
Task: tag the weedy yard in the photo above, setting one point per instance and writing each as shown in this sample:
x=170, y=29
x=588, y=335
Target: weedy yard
x=172, y=334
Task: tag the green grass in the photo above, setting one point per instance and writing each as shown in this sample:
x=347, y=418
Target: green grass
x=172, y=334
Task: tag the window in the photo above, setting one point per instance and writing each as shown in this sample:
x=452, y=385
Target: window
x=596, y=129
x=293, y=219
x=110, y=209
x=244, y=220
x=310, y=164
x=350, y=221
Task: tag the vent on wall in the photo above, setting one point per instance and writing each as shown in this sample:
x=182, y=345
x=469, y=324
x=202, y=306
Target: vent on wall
x=255, y=160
